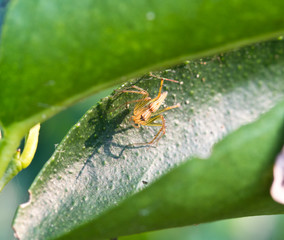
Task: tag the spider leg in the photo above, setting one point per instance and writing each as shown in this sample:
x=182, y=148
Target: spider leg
x=165, y=109
x=145, y=98
x=146, y=94
x=140, y=90
x=160, y=90
x=150, y=122
x=143, y=101
x=167, y=79
x=162, y=130
x=136, y=87
x=161, y=85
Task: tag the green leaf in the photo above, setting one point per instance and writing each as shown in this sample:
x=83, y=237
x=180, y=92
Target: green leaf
x=54, y=53
x=94, y=184
x=233, y=182
x=66, y=50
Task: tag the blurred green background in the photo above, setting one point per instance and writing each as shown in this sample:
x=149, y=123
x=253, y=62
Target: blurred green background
x=52, y=132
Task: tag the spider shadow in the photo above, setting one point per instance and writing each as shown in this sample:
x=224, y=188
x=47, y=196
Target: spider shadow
x=105, y=128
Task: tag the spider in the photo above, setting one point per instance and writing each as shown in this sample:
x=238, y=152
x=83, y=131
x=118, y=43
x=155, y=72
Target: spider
x=146, y=109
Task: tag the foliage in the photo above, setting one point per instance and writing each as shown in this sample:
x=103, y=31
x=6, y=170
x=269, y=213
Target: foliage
x=64, y=52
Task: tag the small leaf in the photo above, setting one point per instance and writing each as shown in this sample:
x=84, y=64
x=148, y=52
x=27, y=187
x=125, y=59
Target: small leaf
x=93, y=186
x=24, y=159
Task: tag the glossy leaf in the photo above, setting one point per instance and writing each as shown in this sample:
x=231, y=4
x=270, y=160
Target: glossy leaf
x=93, y=184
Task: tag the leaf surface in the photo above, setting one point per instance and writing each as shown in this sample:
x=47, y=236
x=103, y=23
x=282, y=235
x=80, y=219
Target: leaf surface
x=94, y=183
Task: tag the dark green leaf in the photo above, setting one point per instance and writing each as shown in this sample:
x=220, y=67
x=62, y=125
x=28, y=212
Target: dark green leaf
x=81, y=191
